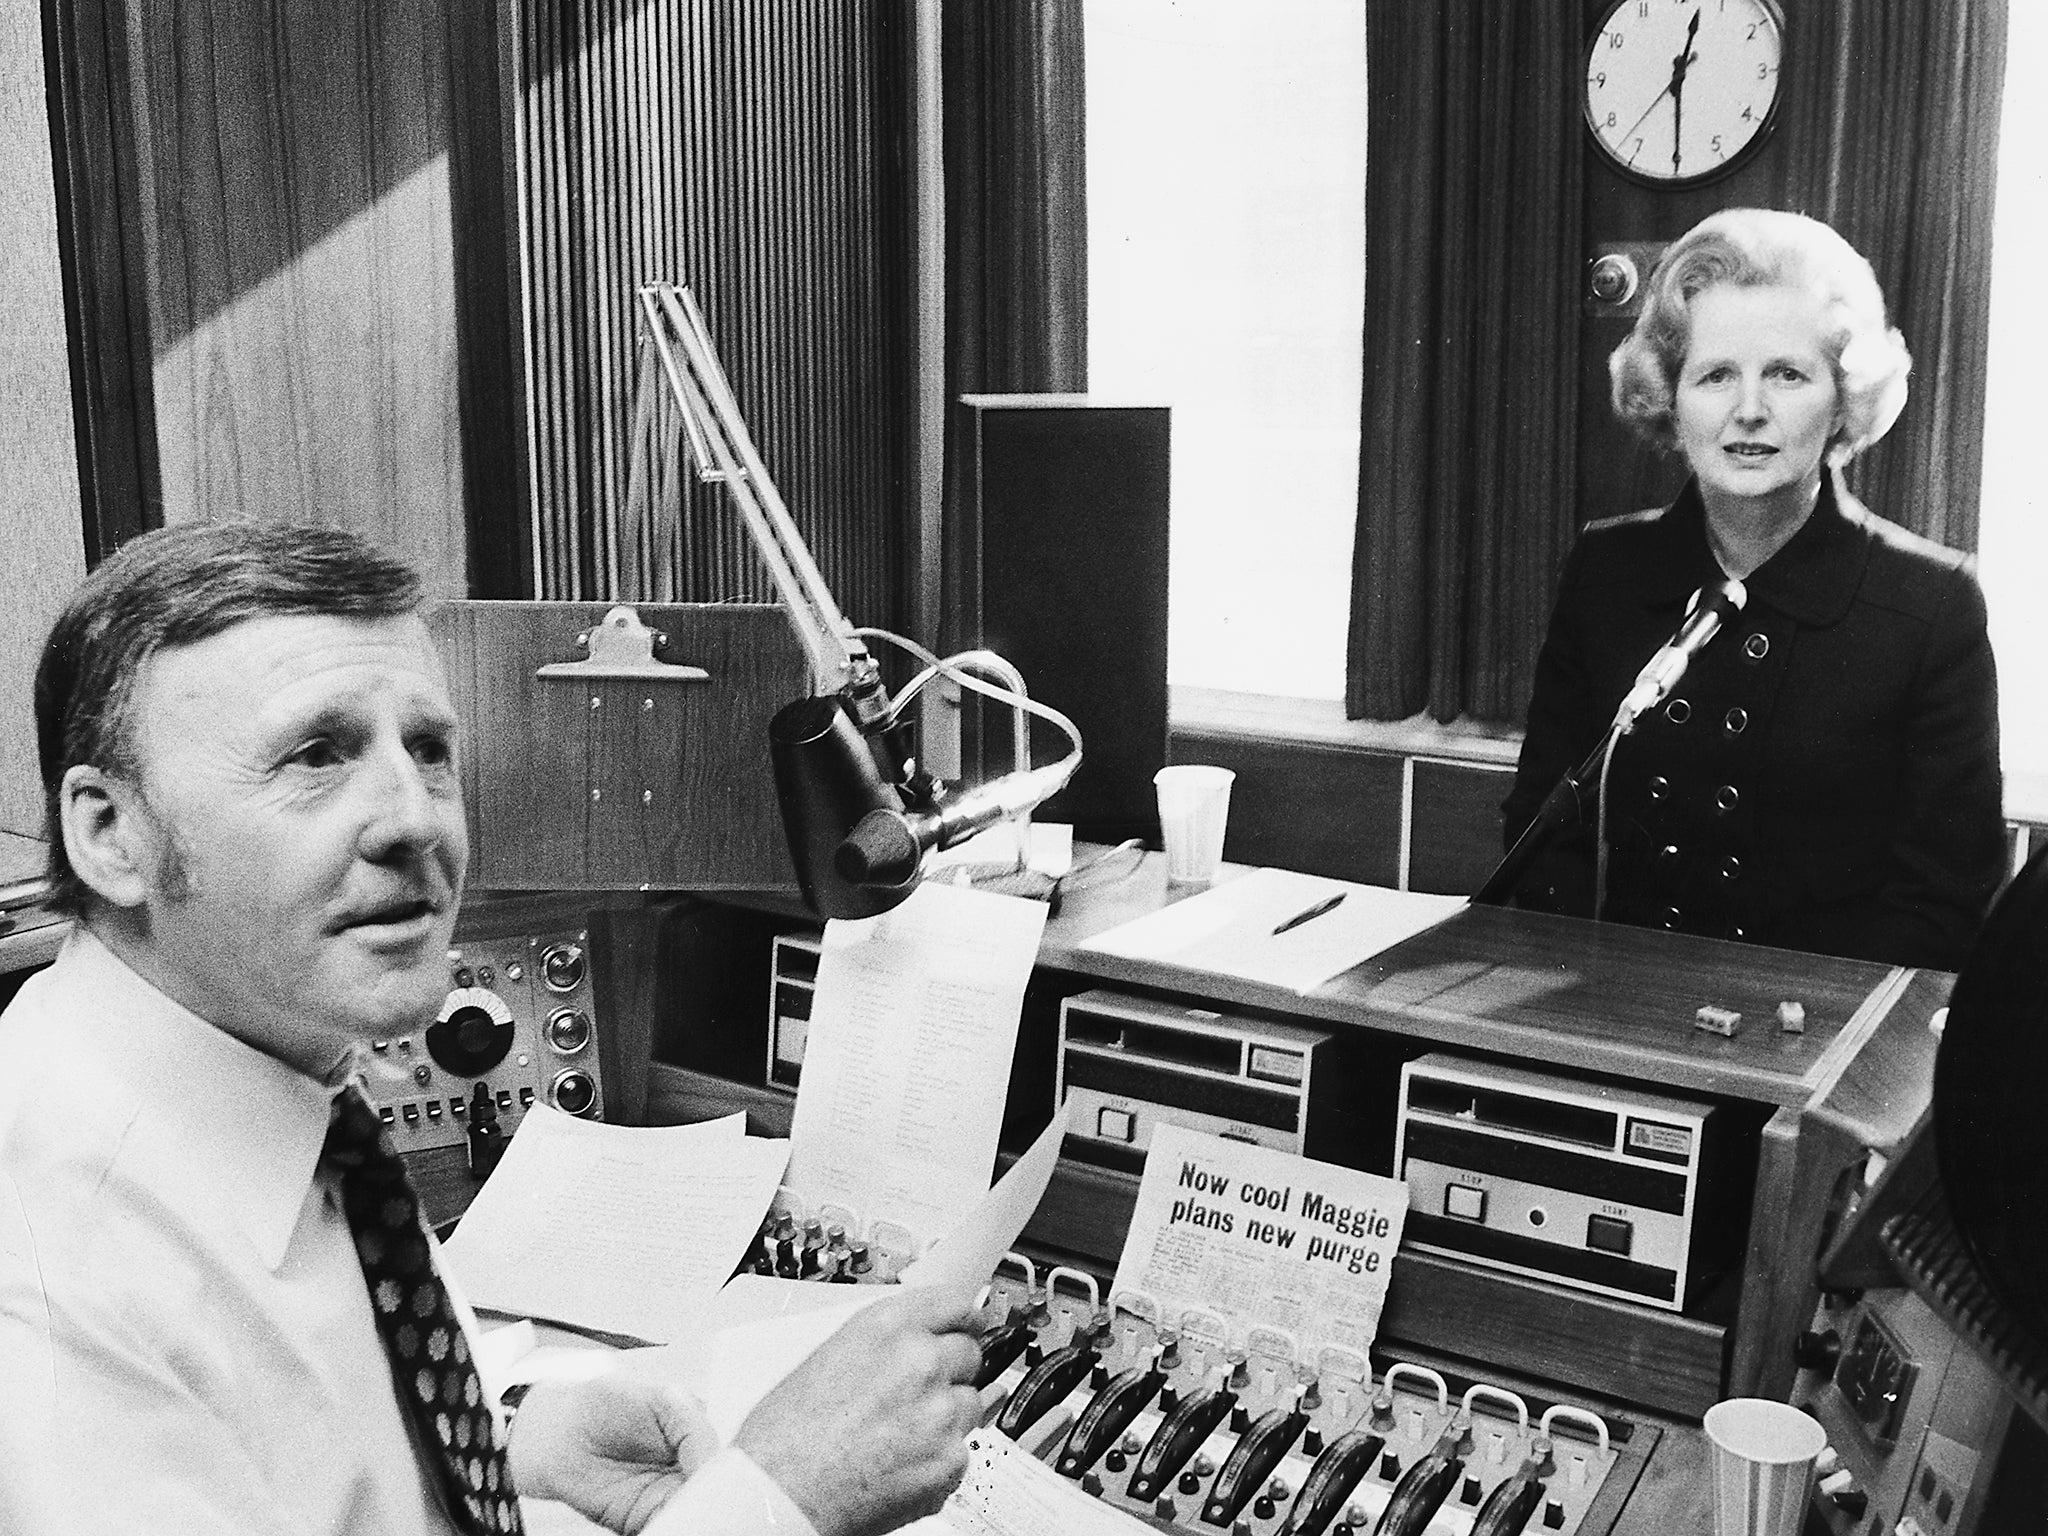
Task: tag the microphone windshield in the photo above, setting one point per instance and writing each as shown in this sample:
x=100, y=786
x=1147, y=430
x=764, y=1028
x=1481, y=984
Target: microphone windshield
x=880, y=850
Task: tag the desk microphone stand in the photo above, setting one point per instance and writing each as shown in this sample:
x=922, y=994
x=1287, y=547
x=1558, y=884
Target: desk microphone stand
x=1566, y=804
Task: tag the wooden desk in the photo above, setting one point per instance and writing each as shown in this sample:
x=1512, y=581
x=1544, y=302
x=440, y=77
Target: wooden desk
x=1606, y=999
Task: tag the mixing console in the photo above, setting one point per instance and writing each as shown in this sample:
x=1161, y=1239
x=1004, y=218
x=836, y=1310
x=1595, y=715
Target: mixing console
x=1187, y=1428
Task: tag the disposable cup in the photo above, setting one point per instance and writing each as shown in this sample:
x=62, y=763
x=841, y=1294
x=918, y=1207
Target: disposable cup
x=1194, y=805
x=1764, y=1453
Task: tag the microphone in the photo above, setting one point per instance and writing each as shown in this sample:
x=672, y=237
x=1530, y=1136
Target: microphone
x=1711, y=607
x=885, y=847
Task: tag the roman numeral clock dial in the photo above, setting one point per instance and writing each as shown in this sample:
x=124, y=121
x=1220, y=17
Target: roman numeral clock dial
x=1682, y=91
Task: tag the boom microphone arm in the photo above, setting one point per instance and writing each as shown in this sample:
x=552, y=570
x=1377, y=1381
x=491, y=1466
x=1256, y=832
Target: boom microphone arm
x=858, y=814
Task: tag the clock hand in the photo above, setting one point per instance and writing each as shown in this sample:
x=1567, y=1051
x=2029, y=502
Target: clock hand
x=1679, y=66
x=1653, y=106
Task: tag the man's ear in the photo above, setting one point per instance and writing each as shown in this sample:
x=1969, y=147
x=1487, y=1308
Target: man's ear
x=107, y=834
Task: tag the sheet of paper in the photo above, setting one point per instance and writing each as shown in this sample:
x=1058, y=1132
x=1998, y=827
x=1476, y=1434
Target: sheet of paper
x=1228, y=929
x=1009, y=1493
x=622, y=1229
x=965, y=1257
x=1259, y=1238
x=907, y=1063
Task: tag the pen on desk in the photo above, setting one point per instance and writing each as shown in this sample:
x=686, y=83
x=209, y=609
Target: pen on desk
x=1327, y=904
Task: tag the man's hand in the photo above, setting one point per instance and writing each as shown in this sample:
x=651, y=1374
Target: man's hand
x=614, y=1449
x=870, y=1431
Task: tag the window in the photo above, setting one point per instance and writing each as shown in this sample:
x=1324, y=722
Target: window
x=2013, y=533
x=1226, y=236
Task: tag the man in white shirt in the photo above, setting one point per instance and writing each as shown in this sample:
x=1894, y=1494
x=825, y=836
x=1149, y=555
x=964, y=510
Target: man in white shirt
x=249, y=758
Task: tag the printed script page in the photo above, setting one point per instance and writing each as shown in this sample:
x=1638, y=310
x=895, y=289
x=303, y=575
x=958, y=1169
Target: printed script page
x=907, y=1064
x=622, y=1229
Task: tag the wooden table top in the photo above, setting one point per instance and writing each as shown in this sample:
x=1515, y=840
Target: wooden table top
x=1596, y=997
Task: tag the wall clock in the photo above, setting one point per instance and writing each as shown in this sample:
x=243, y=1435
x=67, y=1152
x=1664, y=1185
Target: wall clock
x=1681, y=91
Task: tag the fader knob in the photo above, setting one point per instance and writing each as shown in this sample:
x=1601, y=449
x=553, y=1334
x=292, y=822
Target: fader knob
x=1312, y=1442
x=1383, y=1412
x=1817, y=1350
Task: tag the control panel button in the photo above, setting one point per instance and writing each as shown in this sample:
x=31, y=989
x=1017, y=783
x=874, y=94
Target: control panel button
x=1465, y=1202
x=1610, y=1234
x=574, y=1091
x=1115, y=1124
x=561, y=967
x=568, y=1030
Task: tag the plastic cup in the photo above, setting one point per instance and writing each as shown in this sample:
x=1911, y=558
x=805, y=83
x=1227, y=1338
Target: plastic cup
x=1194, y=804
x=1764, y=1453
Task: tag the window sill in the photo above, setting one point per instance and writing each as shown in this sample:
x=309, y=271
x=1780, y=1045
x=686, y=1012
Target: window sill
x=1321, y=722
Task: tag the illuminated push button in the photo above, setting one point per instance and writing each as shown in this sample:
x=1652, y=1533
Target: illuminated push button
x=1736, y=721
x=1610, y=1234
x=526, y=1098
x=433, y=1109
x=1659, y=786
x=1670, y=917
x=1465, y=1203
x=1731, y=868
x=1726, y=798
x=1756, y=647
x=1115, y=1124
x=1678, y=711
x=412, y=1114
x=384, y=1113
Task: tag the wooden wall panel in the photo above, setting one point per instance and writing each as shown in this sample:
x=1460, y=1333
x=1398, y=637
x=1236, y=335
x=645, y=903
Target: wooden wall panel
x=1454, y=834
x=753, y=151
x=1324, y=811
x=296, y=220
x=40, y=525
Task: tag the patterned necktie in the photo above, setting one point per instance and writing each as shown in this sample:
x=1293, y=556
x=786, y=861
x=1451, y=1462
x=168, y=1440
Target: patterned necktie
x=430, y=1363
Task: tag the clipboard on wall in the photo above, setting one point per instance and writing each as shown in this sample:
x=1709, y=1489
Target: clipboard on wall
x=603, y=753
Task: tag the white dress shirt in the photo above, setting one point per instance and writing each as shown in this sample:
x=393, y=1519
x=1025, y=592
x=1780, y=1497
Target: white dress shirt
x=186, y=1342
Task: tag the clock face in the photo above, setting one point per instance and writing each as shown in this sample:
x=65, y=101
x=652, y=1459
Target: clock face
x=1681, y=91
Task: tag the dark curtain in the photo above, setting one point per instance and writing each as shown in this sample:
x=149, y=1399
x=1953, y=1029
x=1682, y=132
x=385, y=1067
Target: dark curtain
x=1905, y=166
x=1016, y=203
x=1473, y=191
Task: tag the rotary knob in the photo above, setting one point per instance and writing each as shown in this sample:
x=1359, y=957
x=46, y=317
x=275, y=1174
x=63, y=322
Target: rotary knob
x=1817, y=1350
x=473, y=1034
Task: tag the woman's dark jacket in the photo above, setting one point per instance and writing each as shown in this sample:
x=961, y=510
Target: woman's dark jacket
x=1824, y=777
